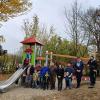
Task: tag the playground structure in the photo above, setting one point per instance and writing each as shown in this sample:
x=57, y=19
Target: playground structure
x=85, y=59
x=31, y=52
x=4, y=85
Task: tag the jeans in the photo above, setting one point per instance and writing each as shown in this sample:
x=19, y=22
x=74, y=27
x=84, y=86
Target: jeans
x=28, y=81
x=45, y=82
x=68, y=82
x=41, y=82
x=34, y=84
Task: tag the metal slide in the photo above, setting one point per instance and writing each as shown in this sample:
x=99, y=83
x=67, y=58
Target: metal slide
x=12, y=79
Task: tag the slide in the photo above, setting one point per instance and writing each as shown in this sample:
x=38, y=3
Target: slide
x=12, y=79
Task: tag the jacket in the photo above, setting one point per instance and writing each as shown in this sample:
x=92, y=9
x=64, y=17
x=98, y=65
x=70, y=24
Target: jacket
x=44, y=70
x=60, y=72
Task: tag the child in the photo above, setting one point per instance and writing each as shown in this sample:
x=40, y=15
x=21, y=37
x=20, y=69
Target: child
x=47, y=80
x=68, y=75
x=35, y=79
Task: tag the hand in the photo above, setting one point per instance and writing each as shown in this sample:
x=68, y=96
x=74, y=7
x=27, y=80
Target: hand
x=88, y=65
x=78, y=71
x=59, y=76
x=95, y=70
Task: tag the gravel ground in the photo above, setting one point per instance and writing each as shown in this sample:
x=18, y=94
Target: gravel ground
x=83, y=93
x=21, y=93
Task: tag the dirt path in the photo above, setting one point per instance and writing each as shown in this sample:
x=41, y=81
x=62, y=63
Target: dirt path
x=84, y=93
x=20, y=93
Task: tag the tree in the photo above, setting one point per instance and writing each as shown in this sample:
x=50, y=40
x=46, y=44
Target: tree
x=91, y=25
x=12, y=8
x=72, y=19
x=34, y=29
x=73, y=29
x=31, y=29
x=35, y=26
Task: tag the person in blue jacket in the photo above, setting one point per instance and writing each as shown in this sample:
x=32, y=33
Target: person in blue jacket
x=68, y=73
x=44, y=77
x=78, y=66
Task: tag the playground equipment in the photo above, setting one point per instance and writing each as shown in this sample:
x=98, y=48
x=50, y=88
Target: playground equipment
x=60, y=55
x=31, y=51
x=4, y=85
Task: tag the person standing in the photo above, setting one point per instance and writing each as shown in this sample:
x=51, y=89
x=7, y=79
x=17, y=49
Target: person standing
x=44, y=77
x=92, y=63
x=52, y=76
x=29, y=75
x=35, y=79
x=60, y=76
x=78, y=71
x=17, y=68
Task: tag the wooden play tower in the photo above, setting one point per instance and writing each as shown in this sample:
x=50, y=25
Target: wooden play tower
x=31, y=50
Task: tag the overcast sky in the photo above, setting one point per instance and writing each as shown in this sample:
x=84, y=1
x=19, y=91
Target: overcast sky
x=50, y=12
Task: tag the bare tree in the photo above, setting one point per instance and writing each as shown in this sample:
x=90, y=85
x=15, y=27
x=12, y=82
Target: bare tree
x=73, y=28
x=91, y=25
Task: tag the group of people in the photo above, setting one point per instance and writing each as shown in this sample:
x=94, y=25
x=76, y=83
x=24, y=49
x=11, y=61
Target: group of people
x=45, y=77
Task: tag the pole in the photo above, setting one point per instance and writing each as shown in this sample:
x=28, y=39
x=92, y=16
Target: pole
x=51, y=58
x=40, y=53
x=46, y=58
x=34, y=54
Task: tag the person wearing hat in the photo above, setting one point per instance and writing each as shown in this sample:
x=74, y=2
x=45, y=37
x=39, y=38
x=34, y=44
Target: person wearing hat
x=92, y=63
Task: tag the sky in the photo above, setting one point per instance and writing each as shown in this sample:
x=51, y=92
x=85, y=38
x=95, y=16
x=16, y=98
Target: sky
x=50, y=12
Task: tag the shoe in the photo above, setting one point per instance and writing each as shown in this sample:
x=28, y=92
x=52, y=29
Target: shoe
x=77, y=87
x=70, y=88
x=91, y=86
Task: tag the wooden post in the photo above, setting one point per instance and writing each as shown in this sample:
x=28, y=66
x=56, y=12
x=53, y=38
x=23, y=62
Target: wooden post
x=46, y=58
x=34, y=55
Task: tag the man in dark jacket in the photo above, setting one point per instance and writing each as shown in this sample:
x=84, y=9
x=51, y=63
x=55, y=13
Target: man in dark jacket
x=92, y=63
x=78, y=71
x=60, y=76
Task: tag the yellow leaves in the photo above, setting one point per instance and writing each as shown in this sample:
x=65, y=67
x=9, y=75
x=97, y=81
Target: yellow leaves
x=16, y=3
x=13, y=8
